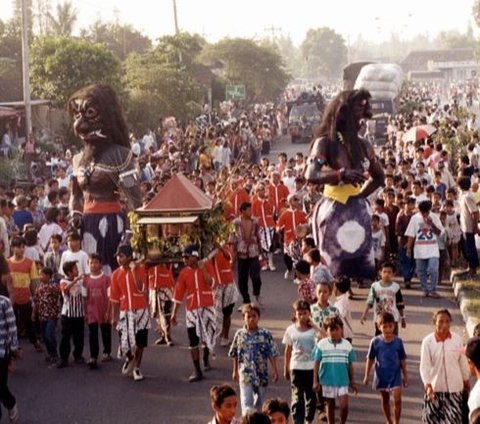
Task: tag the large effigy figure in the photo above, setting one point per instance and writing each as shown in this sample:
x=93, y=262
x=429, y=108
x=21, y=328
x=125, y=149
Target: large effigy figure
x=346, y=165
x=104, y=172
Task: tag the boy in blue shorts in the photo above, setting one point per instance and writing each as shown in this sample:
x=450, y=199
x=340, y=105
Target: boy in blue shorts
x=333, y=368
x=388, y=354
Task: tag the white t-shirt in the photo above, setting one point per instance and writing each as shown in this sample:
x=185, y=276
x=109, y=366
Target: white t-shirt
x=474, y=398
x=378, y=240
x=342, y=303
x=426, y=245
x=46, y=232
x=80, y=257
x=302, y=343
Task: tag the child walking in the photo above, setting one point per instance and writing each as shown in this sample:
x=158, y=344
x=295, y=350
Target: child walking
x=252, y=348
x=72, y=318
x=386, y=351
x=341, y=289
x=306, y=287
x=47, y=308
x=97, y=308
x=333, y=368
x=299, y=341
x=385, y=296
x=323, y=309
x=23, y=286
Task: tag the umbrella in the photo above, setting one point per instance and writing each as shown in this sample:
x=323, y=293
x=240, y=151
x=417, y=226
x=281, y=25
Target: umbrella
x=418, y=132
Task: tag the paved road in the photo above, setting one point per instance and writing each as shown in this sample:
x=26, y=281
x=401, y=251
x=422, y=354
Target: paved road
x=79, y=395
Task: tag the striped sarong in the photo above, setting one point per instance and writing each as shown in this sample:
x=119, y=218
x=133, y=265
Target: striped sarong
x=203, y=320
x=266, y=238
x=445, y=408
x=129, y=323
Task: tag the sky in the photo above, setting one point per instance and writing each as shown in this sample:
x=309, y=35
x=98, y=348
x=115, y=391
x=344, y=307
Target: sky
x=375, y=20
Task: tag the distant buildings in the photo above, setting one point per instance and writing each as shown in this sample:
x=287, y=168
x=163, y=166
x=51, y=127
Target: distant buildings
x=441, y=65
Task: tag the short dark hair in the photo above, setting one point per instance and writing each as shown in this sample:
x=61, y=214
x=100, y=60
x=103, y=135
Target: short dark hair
x=464, y=183
x=314, y=255
x=47, y=271
x=472, y=351
x=303, y=267
x=271, y=406
x=301, y=305
x=244, y=206
x=389, y=264
x=255, y=417
x=220, y=392
x=309, y=241
x=57, y=237
x=443, y=311
x=95, y=256
x=17, y=241
x=385, y=318
x=343, y=284
x=73, y=235
x=425, y=206
x=248, y=307
x=332, y=322
x=68, y=267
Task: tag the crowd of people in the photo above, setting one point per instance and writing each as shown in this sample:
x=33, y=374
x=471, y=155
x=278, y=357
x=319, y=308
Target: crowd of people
x=424, y=221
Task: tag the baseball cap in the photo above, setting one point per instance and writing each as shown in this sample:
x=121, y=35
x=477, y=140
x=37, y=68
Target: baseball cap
x=191, y=250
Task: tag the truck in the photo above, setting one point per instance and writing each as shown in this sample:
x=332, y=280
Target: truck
x=304, y=116
x=384, y=81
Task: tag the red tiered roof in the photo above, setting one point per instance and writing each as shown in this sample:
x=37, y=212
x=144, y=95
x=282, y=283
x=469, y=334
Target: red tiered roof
x=179, y=194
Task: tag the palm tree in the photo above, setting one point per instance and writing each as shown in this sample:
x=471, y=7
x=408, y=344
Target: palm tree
x=62, y=24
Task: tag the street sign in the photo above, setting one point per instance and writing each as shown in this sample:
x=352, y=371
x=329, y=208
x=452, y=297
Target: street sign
x=235, y=92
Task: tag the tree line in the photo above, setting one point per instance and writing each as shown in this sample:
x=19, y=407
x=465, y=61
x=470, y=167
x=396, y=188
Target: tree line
x=174, y=75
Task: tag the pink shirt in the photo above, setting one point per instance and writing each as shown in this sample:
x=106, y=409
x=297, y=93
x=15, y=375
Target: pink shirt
x=97, y=297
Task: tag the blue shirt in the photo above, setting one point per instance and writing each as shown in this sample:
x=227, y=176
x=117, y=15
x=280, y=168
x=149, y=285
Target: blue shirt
x=335, y=359
x=387, y=357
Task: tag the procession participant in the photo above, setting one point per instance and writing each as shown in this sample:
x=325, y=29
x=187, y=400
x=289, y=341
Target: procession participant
x=288, y=222
x=347, y=165
x=277, y=193
x=237, y=197
x=196, y=282
x=161, y=285
x=128, y=297
x=102, y=171
x=246, y=249
x=225, y=291
x=262, y=209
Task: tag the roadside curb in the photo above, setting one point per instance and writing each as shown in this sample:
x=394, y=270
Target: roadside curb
x=464, y=295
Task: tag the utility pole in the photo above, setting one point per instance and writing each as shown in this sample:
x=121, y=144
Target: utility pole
x=175, y=18
x=25, y=70
x=273, y=30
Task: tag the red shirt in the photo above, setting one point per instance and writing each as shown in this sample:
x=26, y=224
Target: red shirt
x=190, y=282
x=160, y=276
x=277, y=195
x=124, y=289
x=288, y=221
x=222, y=265
x=262, y=209
x=235, y=200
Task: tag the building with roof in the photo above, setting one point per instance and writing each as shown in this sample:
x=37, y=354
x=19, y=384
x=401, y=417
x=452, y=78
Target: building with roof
x=443, y=65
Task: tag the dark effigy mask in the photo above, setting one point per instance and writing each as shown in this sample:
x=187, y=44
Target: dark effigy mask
x=87, y=118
